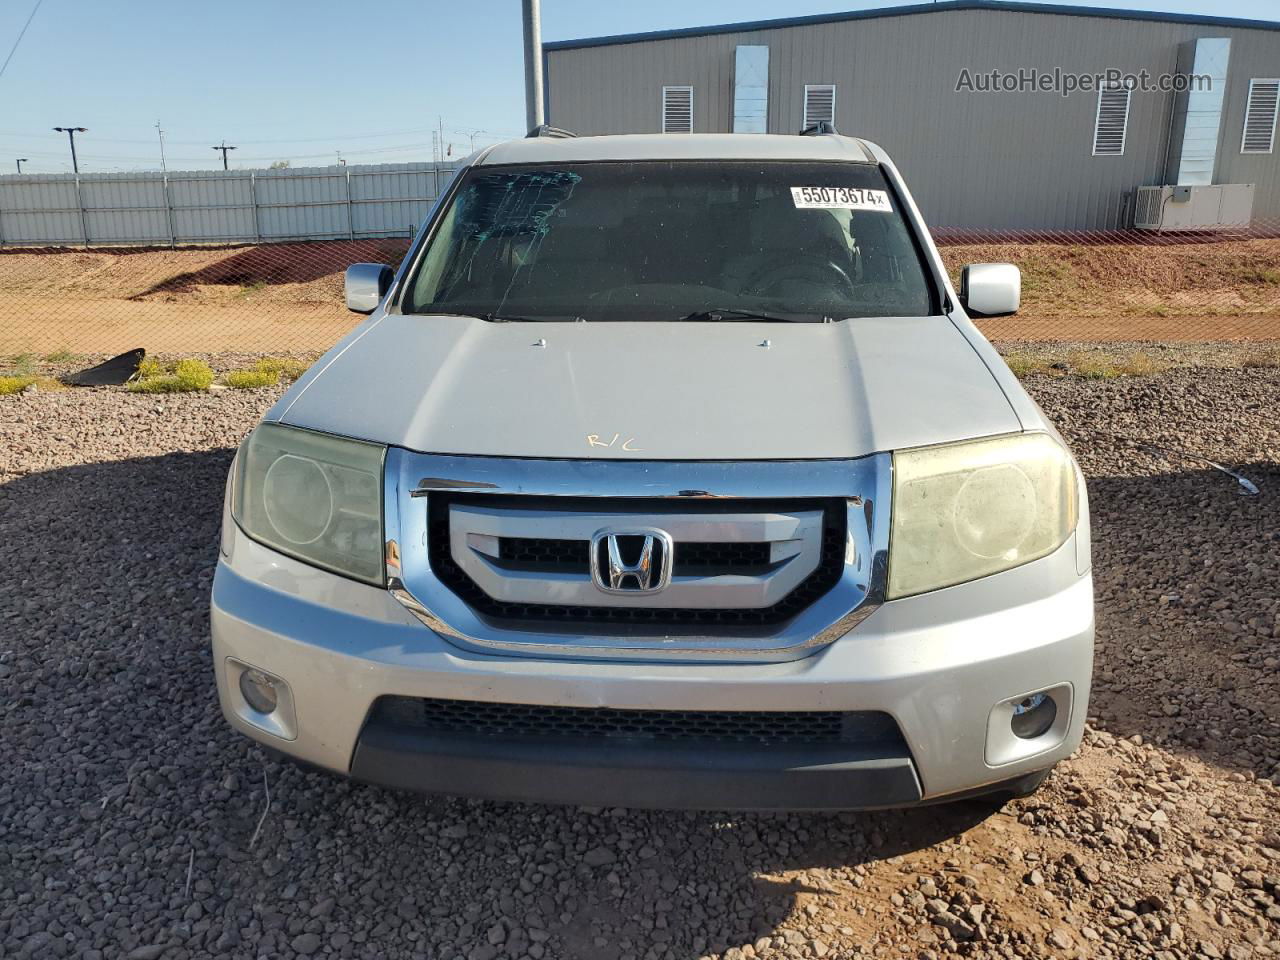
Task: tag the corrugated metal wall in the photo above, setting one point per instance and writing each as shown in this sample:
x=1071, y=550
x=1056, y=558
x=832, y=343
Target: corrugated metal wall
x=999, y=161
x=217, y=206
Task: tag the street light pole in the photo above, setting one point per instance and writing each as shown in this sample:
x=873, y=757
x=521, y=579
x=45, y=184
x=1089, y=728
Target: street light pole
x=533, y=64
x=21, y=161
x=163, y=168
x=224, y=148
x=71, y=135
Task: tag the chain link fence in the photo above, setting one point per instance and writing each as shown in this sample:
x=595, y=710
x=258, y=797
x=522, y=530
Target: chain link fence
x=286, y=298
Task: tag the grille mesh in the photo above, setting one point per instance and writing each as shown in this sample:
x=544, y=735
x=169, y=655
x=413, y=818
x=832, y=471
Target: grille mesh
x=692, y=558
x=521, y=721
x=531, y=615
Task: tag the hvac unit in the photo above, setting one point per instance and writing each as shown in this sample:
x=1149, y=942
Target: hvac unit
x=1169, y=209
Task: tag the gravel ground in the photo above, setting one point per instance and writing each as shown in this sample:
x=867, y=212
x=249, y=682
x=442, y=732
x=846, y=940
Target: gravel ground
x=128, y=810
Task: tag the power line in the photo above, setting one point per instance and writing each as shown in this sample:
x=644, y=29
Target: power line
x=465, y=131
x=21, y=33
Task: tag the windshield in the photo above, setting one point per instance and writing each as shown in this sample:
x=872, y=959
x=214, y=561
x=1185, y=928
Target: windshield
x=684, y=240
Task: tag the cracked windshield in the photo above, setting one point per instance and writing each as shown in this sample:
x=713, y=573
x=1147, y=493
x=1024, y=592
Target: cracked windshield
x=693, y=241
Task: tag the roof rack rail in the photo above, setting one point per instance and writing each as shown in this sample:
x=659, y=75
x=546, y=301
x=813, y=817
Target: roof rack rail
x=545, y=130
x=819, y=128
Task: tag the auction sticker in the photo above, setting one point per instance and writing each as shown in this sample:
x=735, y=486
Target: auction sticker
x=840, y=198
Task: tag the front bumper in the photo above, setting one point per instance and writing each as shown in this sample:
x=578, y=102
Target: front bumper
x=941, y=665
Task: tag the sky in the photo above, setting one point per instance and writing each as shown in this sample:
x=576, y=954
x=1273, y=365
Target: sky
x=307, y=80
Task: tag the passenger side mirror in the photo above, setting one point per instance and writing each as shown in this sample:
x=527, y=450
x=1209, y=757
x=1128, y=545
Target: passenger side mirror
x=366, y=284
x=990, y=289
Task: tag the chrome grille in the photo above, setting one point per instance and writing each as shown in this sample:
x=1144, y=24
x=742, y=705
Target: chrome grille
x=827, y=521
x=455, y=558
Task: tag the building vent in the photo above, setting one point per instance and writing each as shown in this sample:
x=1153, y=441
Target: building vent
x=1112, y=121
x=1192, y=155
x=1260, y=117
x=677, y=109
x=819, y=104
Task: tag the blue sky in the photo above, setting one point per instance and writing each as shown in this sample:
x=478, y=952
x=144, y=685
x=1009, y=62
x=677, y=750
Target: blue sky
x=304, y=80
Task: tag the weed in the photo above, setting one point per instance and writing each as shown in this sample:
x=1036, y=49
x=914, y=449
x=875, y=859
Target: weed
x=1023, y=365
x=10, y=385
x=249, y=289
x=1139, y=364
x=250, y=379
x=23, y=364
x=150, y=369
x=1267, y=275
x=60, y=356
x=1092, y=366
x=187, y=376
x=1099, y=366
x=1265, y=358
x=287, y=368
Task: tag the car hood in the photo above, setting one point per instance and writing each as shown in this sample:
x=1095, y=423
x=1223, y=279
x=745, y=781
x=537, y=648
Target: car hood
x=660, y=391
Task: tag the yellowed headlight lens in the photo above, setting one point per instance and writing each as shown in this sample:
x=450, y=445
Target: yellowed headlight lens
x=968, y=510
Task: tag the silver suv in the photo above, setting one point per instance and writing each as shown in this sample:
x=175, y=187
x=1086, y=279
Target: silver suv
x=666, y=471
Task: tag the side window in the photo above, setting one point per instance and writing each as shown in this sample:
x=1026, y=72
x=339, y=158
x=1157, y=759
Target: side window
x=1260, y=116
x=819, y=103
x=677, y=109
x=1111, y=122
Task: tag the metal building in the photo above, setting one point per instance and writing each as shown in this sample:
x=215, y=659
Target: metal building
x=912, y=79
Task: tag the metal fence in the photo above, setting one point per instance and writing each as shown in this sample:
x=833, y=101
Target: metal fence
x=218, y=206
x=1115, y=288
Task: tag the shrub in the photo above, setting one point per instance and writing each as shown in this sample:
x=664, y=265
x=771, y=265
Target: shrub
x=287, y=368
x=188, y=376
x=1092, y=366
x=250, y=379
x=1262, y=359
x=23, y=364
x=1023, y=365
x=150, y=368
x=1140, y=365
x=10, y=385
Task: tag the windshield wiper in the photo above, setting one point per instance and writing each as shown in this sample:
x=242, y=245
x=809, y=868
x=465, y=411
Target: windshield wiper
x=717, y=314
x=550, y=318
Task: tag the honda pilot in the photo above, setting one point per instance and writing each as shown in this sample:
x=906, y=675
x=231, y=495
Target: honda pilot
x=665, y=471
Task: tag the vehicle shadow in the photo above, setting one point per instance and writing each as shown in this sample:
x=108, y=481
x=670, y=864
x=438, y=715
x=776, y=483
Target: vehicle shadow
x=131, y=781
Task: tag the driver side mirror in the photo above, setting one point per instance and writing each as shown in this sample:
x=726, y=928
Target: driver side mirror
x=990, y=289
x=365, y=284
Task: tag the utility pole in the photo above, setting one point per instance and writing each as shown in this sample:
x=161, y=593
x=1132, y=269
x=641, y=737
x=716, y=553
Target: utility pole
x=21, y=162
x=71, y=135
x=533, y=64
x=163, y=168
x=341, y=162
x=224, y=148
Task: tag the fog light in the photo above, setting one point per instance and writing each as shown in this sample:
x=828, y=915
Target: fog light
x=1033, y=716
x=258, y=690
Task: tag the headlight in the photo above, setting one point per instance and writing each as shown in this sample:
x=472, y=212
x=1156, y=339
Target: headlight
x=314, y=497
x=967, y=510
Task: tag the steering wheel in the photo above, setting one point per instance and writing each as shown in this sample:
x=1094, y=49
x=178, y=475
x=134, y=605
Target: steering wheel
x=811, y=271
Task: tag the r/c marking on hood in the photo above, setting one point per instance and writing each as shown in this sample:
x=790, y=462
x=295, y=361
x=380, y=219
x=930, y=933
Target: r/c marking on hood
x=594, y=440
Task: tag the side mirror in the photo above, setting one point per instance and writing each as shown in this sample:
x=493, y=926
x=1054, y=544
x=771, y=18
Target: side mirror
x=990, y=289
x=366, y=284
